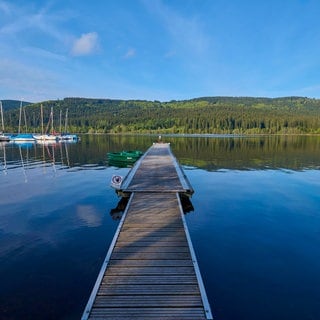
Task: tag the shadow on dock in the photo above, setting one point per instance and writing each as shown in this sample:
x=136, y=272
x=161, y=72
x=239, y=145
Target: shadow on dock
x=117, y=212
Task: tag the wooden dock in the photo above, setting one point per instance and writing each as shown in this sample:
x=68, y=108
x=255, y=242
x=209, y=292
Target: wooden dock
x=150, y=271
x=157, y=171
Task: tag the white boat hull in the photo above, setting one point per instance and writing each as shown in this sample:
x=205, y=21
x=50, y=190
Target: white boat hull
x=45, y=137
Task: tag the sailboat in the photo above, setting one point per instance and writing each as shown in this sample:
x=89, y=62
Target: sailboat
x=45, y=137
x=23, y=137
x=3, y=137
x=67, y=136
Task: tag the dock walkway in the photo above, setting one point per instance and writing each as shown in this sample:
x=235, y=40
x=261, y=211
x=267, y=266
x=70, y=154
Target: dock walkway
x=150, y=271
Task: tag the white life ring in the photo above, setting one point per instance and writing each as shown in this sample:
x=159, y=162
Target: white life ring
x=116, y=181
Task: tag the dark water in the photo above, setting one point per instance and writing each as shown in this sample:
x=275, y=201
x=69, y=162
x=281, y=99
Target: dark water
x=255, y=225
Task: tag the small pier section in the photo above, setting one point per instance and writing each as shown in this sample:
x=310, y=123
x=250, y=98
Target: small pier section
x=157, y=171
x=151, y=271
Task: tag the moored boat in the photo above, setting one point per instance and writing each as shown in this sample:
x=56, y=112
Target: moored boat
x=45, y=137
x=3, y=137
x=22, y=137
x=124, y=157
x=68, y=137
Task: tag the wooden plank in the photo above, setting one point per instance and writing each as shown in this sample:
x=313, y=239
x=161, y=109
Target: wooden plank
x=163, y=270
x=140, y=233
x=147, y=301
x=155, y=243
x=155, y=280
x=149, y=289
x=156, y=225
x=151, y=256
x=148, y=313
x=150, y=249
x=150, y=263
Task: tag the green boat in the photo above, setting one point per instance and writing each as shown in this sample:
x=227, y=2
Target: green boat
x=124, y=157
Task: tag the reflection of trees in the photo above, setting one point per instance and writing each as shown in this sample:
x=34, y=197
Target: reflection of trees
x=209, y=153
x=291, y=152
x=212, y=153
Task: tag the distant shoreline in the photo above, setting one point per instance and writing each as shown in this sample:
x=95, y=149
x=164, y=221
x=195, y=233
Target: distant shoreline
x=204, y=135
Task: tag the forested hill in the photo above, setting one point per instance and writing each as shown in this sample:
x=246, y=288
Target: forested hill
x=201, y=115
x=13, y=104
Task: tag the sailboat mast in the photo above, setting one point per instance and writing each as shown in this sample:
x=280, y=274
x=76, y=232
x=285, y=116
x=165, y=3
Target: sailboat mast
x=66, y=123
x=25, y=118
x=2, y=122
x=51, y=114
x=60, y=122
x=20, y=115
x=41, y=111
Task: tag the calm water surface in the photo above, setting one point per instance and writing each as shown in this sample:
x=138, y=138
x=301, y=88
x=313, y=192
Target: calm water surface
x=255, y=225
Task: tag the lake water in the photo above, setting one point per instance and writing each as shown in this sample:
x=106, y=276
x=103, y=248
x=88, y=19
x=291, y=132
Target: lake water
x=255, y=225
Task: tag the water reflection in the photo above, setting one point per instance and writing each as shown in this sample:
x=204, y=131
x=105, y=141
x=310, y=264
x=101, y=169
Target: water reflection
x=249, y=153
x=89, y=215
x=54, y=155
x=117, y=212
x=56, y=228
x=225, y=152
x=209, y=153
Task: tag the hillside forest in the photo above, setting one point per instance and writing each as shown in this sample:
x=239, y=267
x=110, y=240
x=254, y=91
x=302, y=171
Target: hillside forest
x=208, y=115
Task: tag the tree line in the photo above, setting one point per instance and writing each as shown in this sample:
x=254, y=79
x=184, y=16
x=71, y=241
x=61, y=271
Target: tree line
x=221, y=115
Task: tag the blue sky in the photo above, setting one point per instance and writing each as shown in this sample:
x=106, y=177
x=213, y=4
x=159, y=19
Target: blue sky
x=159, y=49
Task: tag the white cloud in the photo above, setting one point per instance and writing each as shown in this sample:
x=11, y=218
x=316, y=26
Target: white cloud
x=86, y=44
x=89, y=215
x=31, y=82
x=186, y=31
x=170, y=54
x=23, y=18
x=41, y=53
x=4, y=7
x=130, y=53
